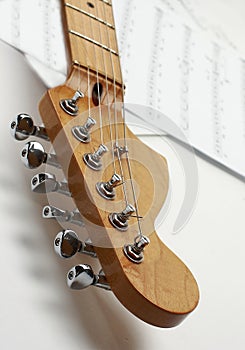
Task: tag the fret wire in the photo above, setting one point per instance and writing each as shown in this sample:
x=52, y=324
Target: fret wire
x=89, y=15
x=106, y=2
x=93, y=42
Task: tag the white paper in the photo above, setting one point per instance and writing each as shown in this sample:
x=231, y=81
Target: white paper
x=174, y=59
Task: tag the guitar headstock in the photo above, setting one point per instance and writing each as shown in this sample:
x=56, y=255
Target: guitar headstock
x=118, y=184
x=118, y=194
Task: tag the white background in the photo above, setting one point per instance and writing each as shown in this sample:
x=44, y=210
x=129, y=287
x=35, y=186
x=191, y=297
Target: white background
x=37, y=309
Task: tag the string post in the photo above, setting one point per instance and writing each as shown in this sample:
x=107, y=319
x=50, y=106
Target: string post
x=70, y=105
x=135, y=252
x=106, y=189
x=120, y=220
x=93, y=160
x=81, y=133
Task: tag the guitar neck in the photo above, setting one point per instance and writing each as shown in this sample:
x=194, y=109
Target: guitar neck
x=91, y=38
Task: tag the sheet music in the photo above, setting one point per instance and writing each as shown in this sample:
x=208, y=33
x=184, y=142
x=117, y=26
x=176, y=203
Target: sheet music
x=35, y=28
x=174, y=59
x=197, y=82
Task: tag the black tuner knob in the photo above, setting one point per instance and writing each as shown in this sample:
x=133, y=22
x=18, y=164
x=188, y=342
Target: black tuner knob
x=23, y=127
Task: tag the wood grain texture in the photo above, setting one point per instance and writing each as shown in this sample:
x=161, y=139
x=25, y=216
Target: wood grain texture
x=161, y=290
x=83, y=51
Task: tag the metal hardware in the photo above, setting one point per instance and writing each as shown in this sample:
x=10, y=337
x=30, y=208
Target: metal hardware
x=82, y=276
x=81, y=133
x=106, y=2
x=93, y=42
x=106, y=189
x=134, y=252
x=93, y=160
x=33, y=155
x=51, y=212
x=45, y=183
x=23, y=127
x=120, y=150
x=67, y=244
x=70, y=105
x=120, y=220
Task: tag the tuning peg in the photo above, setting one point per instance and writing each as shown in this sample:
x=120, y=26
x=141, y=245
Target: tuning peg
x=33, y=155
x=81, y=133
x=93, y=160
x=23, y=127
x=45, y=183
x=67, y=244
x=82, y=276
x=70, y=105
x=120, y=220
x=106, y=189
x=74, y=217
x=135, y=251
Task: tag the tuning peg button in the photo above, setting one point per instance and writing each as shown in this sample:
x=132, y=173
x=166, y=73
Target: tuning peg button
x=51, y=212
x=46, y=183
x=33, y=155
x=23, y=127
x=67, y=244
x=82, y=276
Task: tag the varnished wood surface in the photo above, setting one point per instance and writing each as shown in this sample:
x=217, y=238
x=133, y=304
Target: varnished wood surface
x=83, y=51
x=161, y=290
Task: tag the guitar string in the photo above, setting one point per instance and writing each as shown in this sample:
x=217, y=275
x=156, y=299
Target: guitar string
x=107, y=95
x=80, y=82
x=128, y=160
x=115, y=112
x=98, y=84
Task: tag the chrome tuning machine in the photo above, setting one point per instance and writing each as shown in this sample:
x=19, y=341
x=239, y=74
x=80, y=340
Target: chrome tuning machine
x=106, y=189
x=93, y=160
x=81, y=133
x=51, y=212
x=120, y=220
x=33, y=155
x=134, y=252
x=46, y=183
x=67, y=244
x=82, y=276
x=23, y=127
x=70, y=105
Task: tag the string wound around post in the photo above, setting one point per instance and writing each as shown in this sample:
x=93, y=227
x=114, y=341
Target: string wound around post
x=135, y=252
